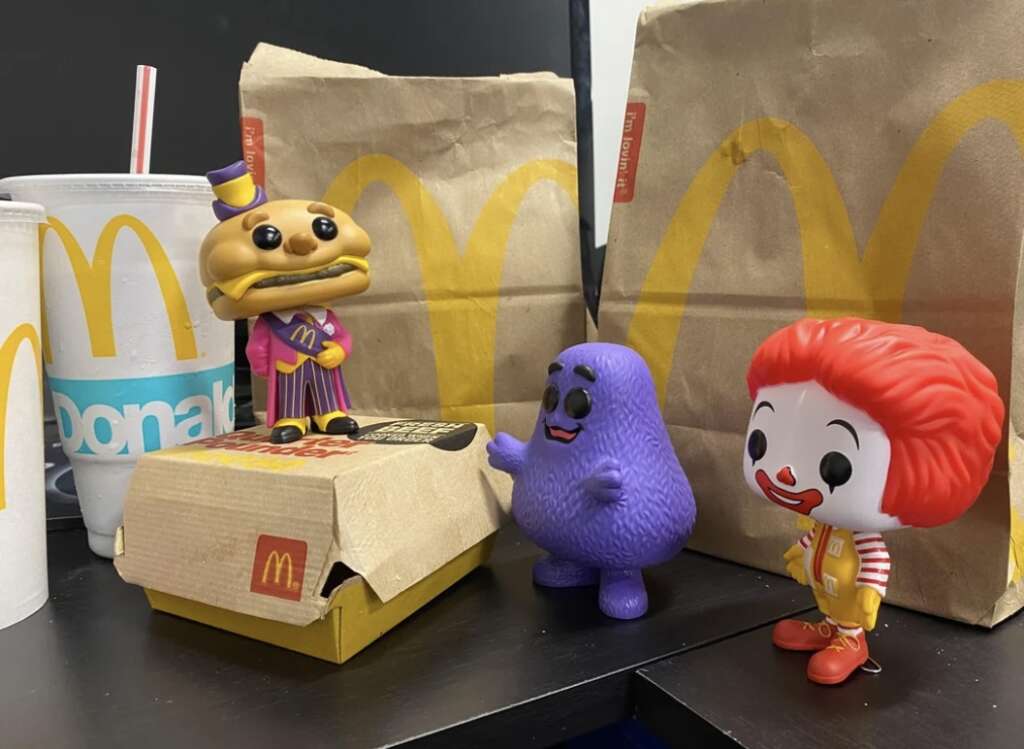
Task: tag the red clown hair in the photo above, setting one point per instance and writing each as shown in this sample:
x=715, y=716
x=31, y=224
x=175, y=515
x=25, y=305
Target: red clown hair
x=939, y=406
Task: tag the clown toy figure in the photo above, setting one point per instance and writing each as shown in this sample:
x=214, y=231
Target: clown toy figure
x=863, y=427
x=285, y=261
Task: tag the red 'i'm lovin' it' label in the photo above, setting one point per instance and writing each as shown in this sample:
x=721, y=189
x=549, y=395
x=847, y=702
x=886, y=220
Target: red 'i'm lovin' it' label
x=252, y=149
x=629, y=151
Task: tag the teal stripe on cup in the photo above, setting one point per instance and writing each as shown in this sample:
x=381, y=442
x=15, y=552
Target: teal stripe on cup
x=137, y=415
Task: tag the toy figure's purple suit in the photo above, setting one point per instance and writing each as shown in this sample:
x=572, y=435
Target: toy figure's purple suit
x=598, y=485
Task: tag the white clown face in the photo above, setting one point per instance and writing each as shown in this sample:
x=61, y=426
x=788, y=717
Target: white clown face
x=810, y=452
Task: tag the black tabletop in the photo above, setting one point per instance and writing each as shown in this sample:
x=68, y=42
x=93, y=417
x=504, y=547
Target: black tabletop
x=943, y=685
x=493, y=659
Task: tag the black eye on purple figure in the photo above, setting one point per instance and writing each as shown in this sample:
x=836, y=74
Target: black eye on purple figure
x=577, y=403
x=550, y=399
x=835, y=470
x=266, y=237
x=324, y=228
x=757, y=445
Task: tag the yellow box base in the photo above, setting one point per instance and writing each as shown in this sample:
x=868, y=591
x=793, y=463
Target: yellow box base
x=354, y=618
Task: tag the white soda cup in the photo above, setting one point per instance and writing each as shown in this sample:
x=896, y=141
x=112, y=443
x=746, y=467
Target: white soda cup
x=134, y=356
x=23, y=584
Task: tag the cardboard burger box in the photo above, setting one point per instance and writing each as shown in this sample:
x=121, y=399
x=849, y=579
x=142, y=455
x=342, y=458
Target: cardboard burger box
x=319, y=546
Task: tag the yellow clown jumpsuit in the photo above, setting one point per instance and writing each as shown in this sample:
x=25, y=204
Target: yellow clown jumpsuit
x=838, y=562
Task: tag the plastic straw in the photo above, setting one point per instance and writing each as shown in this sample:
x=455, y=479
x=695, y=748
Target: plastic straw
x=142, y=123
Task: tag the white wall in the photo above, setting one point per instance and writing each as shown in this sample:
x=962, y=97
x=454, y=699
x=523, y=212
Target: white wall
x=612, y=28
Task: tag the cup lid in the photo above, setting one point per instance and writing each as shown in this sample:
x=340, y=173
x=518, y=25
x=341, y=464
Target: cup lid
x=178, y=183
x=12, y=212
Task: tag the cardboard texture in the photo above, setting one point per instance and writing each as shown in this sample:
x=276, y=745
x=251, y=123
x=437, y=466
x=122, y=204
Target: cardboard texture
x=820, y=157
x=320, y=545
x=467, y=188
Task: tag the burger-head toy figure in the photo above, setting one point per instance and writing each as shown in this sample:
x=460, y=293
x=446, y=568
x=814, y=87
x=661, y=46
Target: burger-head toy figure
x=863, y=427
x=284, y=262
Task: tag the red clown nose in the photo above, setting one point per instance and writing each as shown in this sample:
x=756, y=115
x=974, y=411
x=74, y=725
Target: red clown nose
x=785, y=476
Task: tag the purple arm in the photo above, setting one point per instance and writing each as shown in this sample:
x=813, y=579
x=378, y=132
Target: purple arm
x=605, y=483
x=506, y=453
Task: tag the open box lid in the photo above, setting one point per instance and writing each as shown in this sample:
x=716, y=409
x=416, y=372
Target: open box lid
x=235, y=522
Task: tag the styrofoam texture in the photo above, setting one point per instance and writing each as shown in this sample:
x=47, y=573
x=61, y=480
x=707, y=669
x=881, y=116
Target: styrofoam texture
x=176, y=210
x=23, y=579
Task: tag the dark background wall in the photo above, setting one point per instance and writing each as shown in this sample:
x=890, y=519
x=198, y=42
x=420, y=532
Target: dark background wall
x=68, y=99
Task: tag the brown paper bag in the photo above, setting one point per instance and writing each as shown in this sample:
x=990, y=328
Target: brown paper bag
x=822, y=157
x=467, y=188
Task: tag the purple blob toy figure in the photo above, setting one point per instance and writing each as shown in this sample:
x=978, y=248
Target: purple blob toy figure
x=598, y=486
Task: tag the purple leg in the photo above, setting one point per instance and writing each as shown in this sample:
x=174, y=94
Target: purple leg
x=561, y=573
x=622, y=594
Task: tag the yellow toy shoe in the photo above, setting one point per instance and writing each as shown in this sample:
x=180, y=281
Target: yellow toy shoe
x=335, y=422
x=288, y=430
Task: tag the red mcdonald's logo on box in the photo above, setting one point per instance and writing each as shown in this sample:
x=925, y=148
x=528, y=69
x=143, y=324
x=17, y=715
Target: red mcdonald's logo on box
x=278, y=567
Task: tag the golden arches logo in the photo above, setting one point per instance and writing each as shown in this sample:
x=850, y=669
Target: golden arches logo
x=461, y=289
x=279, y=561
x=836, y=281
x=94, y=285
x=8, y=351
x=305, y=334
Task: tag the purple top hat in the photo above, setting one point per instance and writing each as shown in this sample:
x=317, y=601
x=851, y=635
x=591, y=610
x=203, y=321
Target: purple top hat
x=235, y=190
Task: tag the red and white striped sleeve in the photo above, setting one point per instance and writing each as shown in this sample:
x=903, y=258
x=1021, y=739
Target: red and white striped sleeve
x=806, y=539
x=875, y=563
